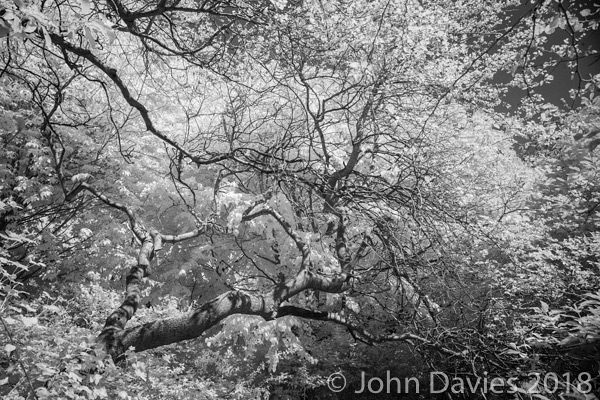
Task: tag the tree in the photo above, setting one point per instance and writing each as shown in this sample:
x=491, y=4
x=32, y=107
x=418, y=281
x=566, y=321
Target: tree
x=329, y=162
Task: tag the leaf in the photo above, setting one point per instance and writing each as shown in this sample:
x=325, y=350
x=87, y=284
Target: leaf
x=27, y=307
x=557, y=22
x=544, y=307
x=140, y=374
x=280, y=4
x=52, y=309
x=80, y=177
x=86, y=7
x=585, y=12
x=29, y=321
x=42, y=393
x=9, y=348
x=100, y=392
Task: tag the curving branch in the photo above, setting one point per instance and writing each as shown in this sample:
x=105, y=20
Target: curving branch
x=361, y=333
x=368, y=109
x=111, y=73
x=192, y=325
x=268, y=306
x=172, y=330
x=136, y=227
x=287, y=227
x=151, y=243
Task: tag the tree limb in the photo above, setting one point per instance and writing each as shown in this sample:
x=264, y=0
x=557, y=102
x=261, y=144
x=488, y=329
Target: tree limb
x=287, y=227
x=341, y=319
x=151, y=244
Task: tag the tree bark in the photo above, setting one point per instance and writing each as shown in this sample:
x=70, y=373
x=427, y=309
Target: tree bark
x=192, y=325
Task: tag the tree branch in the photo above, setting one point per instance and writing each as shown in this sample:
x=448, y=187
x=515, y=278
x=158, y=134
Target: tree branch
x=287, y=227
x=192, y=325
x=143, y=111
x=369, y=338
x=151, y=244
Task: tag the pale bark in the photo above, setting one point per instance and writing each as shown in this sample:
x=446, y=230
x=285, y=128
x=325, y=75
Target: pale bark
x=194, y=324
